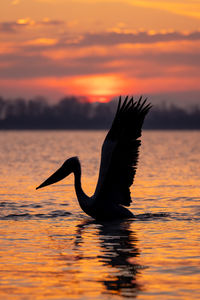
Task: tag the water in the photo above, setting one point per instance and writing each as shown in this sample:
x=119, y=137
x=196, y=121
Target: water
x=49, y=249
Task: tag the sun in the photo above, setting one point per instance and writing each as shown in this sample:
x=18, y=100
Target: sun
x=99, y=98
x=98, y=88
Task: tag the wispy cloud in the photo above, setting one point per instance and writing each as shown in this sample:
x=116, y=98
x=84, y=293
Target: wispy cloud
x=111, y=38
x=41, y=42
x=11, y=27
x=88, y=43
x=19, y=24
x=138, y=55
x=116, y=35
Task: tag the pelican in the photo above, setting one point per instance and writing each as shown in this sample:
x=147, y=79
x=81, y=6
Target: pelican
x=119, y=157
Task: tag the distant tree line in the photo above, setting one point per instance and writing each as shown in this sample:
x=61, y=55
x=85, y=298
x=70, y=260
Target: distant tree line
x=77, y=113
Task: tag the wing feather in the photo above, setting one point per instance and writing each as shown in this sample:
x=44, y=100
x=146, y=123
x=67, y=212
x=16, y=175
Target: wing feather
x=120, y=152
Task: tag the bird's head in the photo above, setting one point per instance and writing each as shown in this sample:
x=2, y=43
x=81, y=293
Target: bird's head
x=69, y=166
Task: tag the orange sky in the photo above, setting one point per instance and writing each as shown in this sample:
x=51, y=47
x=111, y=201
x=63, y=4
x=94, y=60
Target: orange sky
x=99, y=48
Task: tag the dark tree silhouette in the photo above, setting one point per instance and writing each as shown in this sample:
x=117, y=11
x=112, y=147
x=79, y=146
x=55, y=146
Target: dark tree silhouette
x=77, y=113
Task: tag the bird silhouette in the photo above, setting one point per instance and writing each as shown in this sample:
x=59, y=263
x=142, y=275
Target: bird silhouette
x=119, y=157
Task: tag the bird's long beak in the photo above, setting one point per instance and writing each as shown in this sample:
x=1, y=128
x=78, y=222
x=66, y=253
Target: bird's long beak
x=61, y=173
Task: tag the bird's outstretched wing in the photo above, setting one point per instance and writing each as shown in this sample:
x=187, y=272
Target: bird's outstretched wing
x=120, y=151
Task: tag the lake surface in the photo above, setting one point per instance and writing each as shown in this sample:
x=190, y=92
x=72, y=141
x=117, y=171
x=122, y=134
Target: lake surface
x=49, y=249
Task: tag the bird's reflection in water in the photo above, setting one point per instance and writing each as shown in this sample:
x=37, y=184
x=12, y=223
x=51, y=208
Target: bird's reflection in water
x=118, y=249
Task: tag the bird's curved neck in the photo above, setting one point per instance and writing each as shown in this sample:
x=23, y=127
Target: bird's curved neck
x=82, y=197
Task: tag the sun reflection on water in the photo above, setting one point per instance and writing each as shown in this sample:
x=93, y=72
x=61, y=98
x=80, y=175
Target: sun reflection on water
x=50, y=249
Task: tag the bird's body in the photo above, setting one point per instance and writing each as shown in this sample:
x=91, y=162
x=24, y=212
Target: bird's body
x=119, y=158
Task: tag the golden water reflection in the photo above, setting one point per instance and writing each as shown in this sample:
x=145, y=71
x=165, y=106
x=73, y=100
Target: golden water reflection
x=55, y=261
x=118, y=246
x=49, y=249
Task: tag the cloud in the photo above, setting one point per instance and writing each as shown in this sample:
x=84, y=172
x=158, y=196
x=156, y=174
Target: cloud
x=41, y=42
x=35, y=60
x=110, y=39
x=113, y=38
x=47, y=21
x=8, y=27
x=139, y=59
x=33, y=66
x=15, y=26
